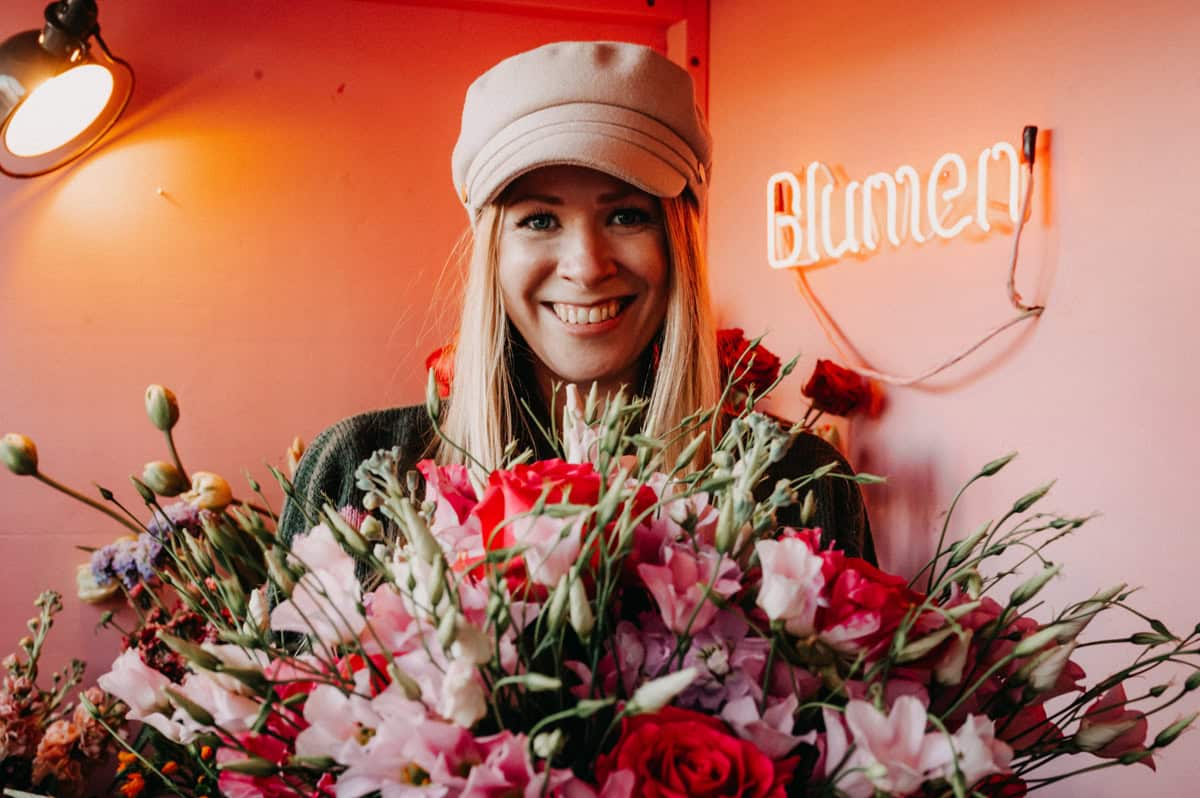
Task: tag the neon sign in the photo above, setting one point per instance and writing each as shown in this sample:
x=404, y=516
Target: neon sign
x=800, y=214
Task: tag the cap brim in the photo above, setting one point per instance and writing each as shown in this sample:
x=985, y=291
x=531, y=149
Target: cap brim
x=627, y=145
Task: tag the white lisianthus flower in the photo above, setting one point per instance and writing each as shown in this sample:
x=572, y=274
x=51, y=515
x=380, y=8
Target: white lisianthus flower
x=791, y=583
x=463, y=700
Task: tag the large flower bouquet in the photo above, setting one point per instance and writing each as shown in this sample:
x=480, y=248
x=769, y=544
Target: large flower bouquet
x=612, y=622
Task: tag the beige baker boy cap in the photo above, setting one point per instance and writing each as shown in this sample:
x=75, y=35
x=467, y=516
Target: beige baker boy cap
x=619, y=108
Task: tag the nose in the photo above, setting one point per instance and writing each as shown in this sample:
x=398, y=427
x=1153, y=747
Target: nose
x=586, y=259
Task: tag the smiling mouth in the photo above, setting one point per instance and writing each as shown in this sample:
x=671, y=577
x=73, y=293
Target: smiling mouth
x=582, y=315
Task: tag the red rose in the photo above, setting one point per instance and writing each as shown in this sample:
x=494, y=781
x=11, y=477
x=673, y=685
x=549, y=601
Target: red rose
x=836, y=390
x=759, y=366
x=441, y=360
x=511, y=493
x=675, y=753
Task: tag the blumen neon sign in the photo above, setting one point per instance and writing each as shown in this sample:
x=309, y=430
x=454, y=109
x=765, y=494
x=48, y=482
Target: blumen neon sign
x=800, y=213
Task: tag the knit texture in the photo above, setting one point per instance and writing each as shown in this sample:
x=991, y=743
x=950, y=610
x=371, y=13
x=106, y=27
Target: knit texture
x=326, y=474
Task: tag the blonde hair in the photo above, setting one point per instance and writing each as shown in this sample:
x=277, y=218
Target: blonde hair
x=484, y=413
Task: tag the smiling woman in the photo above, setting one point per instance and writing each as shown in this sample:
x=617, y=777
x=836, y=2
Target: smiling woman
x=583, y=168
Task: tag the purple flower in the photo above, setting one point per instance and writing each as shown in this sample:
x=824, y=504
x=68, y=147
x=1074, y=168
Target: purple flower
x=132, y=560
x=179, y=515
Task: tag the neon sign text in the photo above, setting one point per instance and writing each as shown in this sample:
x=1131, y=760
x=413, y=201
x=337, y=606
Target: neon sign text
x=800, y=214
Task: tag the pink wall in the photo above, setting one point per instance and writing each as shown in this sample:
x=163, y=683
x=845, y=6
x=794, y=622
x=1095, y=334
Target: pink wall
x=1100, y=393
x=289, y=276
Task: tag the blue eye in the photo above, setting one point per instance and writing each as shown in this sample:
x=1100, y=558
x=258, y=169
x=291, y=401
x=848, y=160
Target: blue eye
x=625, y=217
x=540, y=221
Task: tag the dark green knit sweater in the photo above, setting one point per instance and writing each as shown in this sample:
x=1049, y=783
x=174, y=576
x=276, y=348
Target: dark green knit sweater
x=326, y=473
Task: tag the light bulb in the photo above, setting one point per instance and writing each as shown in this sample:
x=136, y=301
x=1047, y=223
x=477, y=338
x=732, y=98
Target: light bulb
x=58, y=110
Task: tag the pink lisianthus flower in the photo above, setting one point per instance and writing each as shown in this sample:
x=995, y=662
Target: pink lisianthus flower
x=337, y=722
x=792, y=580
x=771, y=730
x=865, y=606
x=324, y=603
x=454, y=525
x=979, y=754
x=891, y=752
x=681, y=585
x=242, y=785
x=138, y=685
x=507, y=770
x=1109, y=729
x=141, y=687
x=231, y=711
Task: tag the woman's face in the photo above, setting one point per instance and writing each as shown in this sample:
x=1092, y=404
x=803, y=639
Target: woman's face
x=583, y=272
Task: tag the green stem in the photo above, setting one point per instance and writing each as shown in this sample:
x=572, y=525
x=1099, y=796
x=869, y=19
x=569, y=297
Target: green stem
x=175, y=456
x=90, y=502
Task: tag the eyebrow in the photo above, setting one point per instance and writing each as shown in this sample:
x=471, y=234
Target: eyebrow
x=550, y=199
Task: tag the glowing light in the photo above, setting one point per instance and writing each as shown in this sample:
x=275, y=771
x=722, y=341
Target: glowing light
x=800, y=214
x=58, y=110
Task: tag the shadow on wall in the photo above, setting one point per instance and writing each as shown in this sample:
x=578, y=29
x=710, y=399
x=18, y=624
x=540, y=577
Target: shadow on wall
x=901, y=508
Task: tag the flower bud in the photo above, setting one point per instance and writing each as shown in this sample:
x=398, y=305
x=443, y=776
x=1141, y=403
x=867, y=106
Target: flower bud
x=808, y=509
x=1029, y=499
x=252, y=766
x=253, y=678
x=193, y=653
x=922, y=646
x=1095, y=736
x=294, y=453
x=19, y=454
x=142, y=489
x=1036, y=641
x=1168, y=735
x=447, y=629
x=548, y=744
x=164, y=478
x=1042, y=671
x=412, y=690
x=278, y=571
x=345, y=532
x=209, y=492
x=1033, y=585
x=657, y=693
x=371, y=529
x=582, y=618
x=557, y=604
x=198, y=713
x=161, y=407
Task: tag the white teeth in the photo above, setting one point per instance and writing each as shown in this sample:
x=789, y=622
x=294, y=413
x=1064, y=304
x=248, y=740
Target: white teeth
x=592, y=314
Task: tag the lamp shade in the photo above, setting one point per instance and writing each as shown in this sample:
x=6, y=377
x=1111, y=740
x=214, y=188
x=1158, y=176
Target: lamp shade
x=53, y=108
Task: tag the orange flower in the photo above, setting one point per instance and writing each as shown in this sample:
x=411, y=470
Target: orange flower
x=133, y=786
x=170, y=768
x=206, y=752
x=125, y=759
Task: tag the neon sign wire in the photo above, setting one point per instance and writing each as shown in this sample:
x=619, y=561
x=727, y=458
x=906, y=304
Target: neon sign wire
x=790, y=243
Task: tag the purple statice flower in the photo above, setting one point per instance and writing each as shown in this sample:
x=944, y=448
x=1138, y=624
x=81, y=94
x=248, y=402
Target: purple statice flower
x=179, y=515
x=131, y=560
